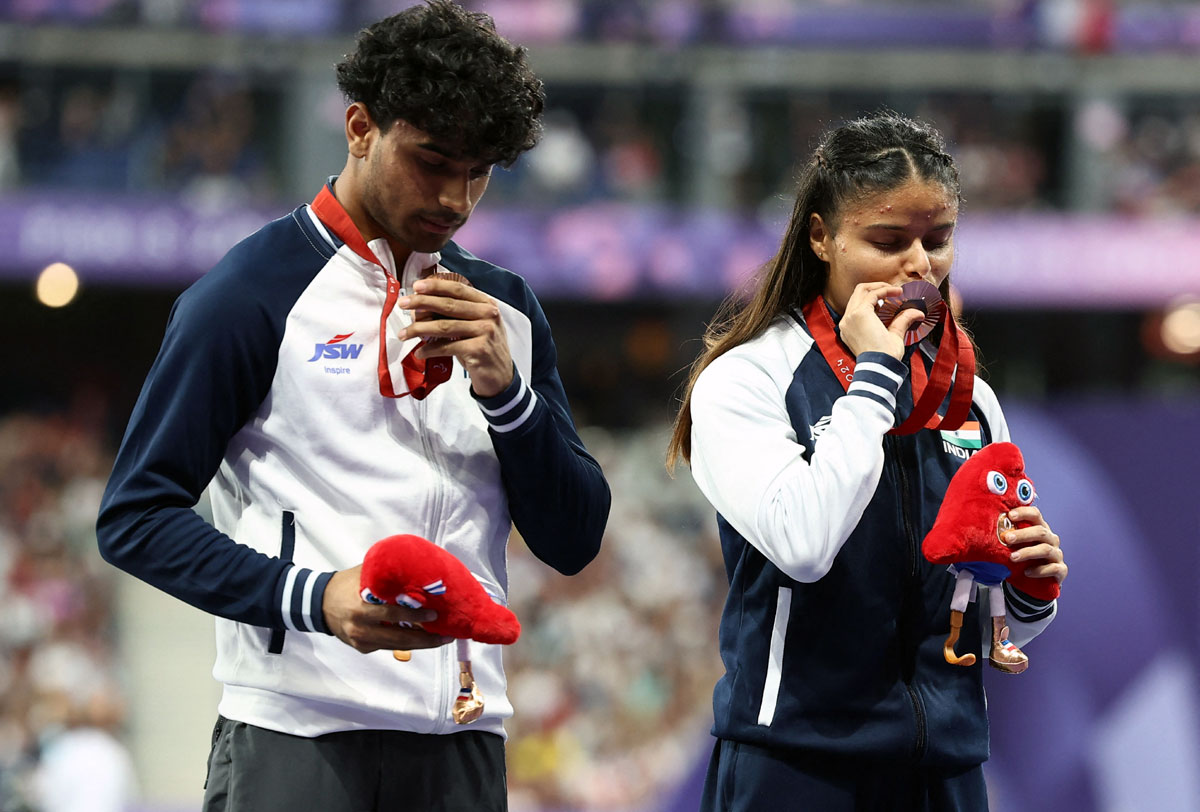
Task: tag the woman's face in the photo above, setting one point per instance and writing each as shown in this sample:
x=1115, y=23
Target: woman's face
x=894, y=236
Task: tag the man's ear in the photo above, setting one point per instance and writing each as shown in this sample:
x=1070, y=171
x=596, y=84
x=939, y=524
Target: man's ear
x=360, y=130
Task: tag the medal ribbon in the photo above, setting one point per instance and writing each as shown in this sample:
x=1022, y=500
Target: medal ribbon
x=929, y=389
x=420, y=381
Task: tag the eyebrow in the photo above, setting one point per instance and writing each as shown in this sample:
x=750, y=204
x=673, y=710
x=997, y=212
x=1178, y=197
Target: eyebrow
x=440, y=150
x=450, y=155
x=891, y=227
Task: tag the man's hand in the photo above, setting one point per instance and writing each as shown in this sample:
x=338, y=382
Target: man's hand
x=368, y=626
x=470, y=331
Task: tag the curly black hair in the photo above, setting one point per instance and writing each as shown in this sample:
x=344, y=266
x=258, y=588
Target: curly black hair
x=446, y=71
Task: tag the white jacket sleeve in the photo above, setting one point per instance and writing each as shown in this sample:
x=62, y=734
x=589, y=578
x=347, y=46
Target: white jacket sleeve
x=748, y=462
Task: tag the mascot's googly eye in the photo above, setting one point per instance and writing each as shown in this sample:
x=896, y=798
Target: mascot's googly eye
x=996, y=482
x=369, y=596
x=1025, y=491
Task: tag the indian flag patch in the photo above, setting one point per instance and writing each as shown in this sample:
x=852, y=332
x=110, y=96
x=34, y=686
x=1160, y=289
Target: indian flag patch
x=967, y=437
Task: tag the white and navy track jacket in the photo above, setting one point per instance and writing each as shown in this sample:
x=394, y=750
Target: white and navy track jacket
x=266, y=386
x=832, y=632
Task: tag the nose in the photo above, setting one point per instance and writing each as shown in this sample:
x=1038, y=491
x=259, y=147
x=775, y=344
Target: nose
x=455, y=194
x=916, y=262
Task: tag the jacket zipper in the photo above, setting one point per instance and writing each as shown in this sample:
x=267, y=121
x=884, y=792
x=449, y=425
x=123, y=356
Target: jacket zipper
x=447, y=669
x=892, y=452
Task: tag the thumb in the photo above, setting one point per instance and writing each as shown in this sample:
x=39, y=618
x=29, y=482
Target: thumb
x=905, y=320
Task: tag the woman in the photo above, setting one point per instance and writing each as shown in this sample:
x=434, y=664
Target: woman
x=836, y=694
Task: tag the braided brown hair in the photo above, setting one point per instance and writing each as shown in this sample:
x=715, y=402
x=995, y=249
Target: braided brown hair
x=868, y=155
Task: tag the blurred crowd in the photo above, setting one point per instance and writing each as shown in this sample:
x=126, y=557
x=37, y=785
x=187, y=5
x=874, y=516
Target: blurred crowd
x=612, y=678
x=196, y=138
x=623, y=653
x=1091, y=25
x=216, y=141
x=61, y=704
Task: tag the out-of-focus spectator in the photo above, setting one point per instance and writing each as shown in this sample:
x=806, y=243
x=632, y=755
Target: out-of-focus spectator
x=1144, y=159
x=58, y=687
x=631, y=164
x=81, y=135
x=1156, y=166
x=82, y=765
x=10, y=118
x=613, y=674
x=116, y=134
x=210, y=156
x=564, y=164
x=1002, y=154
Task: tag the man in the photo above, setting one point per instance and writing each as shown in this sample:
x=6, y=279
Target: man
x=301, y=376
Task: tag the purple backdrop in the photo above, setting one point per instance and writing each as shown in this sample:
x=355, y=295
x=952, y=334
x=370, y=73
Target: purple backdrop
x=609, y=251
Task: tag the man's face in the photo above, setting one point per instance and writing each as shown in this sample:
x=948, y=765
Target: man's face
x=416, y=191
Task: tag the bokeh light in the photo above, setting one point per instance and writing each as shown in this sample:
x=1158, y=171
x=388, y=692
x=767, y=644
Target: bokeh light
x=1181, y=327
x=57, y=285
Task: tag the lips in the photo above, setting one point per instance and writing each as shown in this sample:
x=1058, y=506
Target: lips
x=438, y=226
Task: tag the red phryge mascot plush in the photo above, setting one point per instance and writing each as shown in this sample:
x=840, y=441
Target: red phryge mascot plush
x=414, y=572
x=967, y=531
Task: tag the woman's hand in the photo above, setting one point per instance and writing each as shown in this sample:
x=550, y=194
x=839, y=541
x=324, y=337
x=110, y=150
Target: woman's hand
x=1036, y=544
x=863, y=331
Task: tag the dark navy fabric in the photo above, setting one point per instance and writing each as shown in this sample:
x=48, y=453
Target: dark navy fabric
x=547, y=509
x=208, y=381
x=205, y=383
x=863, y=672
x=745, y=778
x=863, y=675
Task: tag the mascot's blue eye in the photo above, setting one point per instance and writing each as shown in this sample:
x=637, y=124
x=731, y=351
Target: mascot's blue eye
x=996, y=482
x=369, y=596
x=1025, y=491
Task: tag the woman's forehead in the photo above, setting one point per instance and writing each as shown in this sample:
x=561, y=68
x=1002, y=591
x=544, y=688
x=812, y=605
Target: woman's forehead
x=914, y=197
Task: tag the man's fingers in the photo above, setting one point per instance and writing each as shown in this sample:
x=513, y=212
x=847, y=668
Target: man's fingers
x=367, y=637
x=465, y=309
x=414, y=638
x=403, y=614
x=443, y=286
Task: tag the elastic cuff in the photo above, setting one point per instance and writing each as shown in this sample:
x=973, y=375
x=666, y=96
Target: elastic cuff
x=878, y=376
x=1024, y=607
x=300, y=597
x=510, y=409
x=317, y=610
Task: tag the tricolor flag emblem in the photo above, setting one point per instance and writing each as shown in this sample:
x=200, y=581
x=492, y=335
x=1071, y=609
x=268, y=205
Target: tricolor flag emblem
x=968, y=436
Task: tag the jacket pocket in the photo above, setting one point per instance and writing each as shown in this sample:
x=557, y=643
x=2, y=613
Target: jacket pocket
x=287, y=550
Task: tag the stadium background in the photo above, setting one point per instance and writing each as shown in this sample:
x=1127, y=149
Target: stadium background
x=139, y=139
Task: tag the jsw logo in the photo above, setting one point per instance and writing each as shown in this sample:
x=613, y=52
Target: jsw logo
x=333, y=348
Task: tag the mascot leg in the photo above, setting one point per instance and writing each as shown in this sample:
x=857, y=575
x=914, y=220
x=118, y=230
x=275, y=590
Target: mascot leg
x=958, y=605
x=468, y=705
x=1004, y=655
